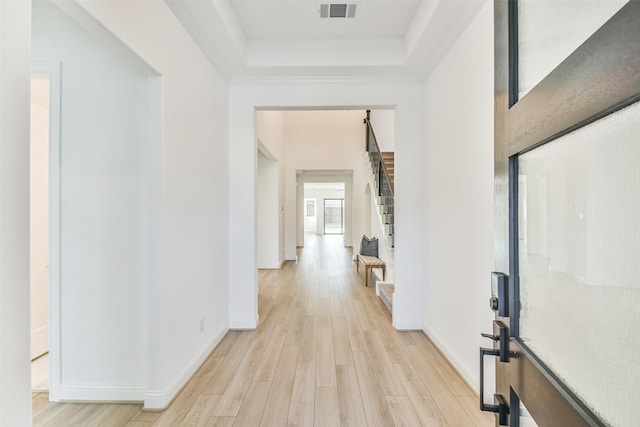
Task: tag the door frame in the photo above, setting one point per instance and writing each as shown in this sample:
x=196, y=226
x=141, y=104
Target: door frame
x=555, y=107
x=53, y=71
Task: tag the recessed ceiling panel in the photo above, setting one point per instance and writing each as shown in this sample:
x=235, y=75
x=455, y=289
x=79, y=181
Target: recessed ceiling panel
x=301, y=19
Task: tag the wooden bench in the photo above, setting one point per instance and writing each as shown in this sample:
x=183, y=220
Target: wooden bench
x=370, y=262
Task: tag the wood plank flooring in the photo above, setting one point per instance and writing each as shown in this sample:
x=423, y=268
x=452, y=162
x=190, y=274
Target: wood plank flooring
x=325, y=354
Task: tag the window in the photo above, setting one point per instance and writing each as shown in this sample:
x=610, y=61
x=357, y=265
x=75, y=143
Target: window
x=311, y=208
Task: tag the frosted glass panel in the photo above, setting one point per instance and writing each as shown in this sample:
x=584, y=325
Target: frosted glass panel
x=579, y=247
x=550, y=30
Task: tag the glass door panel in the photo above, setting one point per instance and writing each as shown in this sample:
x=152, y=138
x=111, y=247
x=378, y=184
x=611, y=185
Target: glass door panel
x=579, y=269
x=333, y=216
x=549, y=30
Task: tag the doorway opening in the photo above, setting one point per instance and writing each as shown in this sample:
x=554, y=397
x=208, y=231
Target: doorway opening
x=324, y=208
x=45, y=227
x=333, y=216
x=39, y=230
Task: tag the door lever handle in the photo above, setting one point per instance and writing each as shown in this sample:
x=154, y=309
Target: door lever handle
x=502, y=338
x=491, y=337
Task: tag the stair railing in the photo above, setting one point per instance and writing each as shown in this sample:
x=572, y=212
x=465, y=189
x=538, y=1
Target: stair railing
x=383, y=180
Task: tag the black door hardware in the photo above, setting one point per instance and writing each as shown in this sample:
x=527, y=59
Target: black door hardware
x=502, y=352
x=499, y=300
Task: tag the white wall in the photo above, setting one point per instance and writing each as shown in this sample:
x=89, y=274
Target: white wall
x=270, y=133
x=458, y=126
x=268, y=213
x=187, y=194
x=103, y=248
x=248, y=95
x=15, y=75
x=39, y=216
x=384, y=126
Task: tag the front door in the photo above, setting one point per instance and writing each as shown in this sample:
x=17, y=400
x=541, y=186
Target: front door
x=567, y=214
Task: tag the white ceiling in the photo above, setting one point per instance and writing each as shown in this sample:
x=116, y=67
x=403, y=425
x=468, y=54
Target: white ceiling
x=283, y=38
x=301, y=19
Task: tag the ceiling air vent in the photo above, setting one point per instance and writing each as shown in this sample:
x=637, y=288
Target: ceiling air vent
x=337, y=10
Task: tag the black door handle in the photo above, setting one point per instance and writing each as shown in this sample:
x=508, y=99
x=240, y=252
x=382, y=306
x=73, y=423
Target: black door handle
x=491, y=337
x=502, y=352
x=502, y=409
x=503, y=337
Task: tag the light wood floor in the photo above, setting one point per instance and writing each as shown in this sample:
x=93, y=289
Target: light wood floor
x=325, y=354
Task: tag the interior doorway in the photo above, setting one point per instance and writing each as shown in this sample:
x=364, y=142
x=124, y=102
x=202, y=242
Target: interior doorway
x=44, y=230
x=39, y=230
x=324, y=208
x=333, y=216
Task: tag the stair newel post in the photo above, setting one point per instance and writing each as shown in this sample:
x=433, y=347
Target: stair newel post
x=380, y=177
x=368, y=133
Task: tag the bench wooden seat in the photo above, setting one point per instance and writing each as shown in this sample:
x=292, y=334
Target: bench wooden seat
x=370, y=262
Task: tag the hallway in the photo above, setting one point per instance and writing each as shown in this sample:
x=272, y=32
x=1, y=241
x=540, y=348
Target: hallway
x=325, y=354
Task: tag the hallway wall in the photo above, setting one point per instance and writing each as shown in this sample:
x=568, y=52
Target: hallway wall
x=383, y=122
x=15, y=76
x=458, y=123
x=103, y=250
x=270, y=133
x=267, y=212
x=187, y=220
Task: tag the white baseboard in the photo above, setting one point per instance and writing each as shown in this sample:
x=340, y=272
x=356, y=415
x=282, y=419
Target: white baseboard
x=276, y=266
x=408, y=326
x=160, y=399
x=100, y=393
x=471, y=380
x=244, y=324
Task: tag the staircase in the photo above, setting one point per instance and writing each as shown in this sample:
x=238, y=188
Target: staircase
x=383, y=169
x=387, y=159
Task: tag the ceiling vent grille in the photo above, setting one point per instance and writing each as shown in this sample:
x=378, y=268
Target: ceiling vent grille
x=337, y=10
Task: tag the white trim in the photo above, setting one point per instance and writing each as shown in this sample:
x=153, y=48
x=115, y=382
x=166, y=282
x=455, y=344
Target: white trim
x=243, y=325
x=100, y=393
x=160, y=399
x=276, y=266
x=468, y=377
x=408, y=326
x=265, y=150
x=53, y=71
x=408, y=80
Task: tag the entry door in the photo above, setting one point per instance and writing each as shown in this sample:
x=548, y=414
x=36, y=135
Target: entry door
x=567, y=214
x=333, y=216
